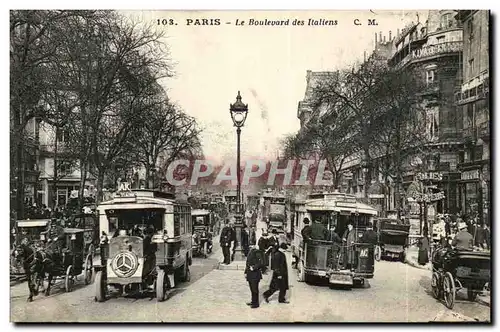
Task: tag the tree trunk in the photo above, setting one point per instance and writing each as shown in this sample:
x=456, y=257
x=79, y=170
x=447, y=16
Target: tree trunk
x=83, y=179
x=20, y=179
x=148, y=176
x=398, y=183
x=100, y=185
x=368, y=173
x=55, y=175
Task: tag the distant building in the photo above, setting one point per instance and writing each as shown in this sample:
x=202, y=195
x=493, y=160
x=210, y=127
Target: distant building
x=58, y=182
x=473, y=102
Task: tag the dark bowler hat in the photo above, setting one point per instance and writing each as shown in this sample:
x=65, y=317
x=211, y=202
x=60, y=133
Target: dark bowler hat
x=283, y=246
x=306, y=220
x=274, y=231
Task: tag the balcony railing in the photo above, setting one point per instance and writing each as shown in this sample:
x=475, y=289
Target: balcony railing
x=451, y=25
x=475, y=89
x=431, y=51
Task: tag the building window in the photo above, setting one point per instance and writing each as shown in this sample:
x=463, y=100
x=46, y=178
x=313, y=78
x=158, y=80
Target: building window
x=62, y=135
x=430, y=76
x=446, y=21
x=64, y=169
x=471, y=67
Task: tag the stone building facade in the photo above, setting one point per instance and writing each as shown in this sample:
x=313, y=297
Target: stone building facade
x=473, y=101
x=433, y=50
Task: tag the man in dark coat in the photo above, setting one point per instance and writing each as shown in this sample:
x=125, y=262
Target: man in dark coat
x=279, y=280
x=263, y=244
x=348, y=239
x=245, y=237
x=253, y=237
x=225, y=242
x=253, y=274
x=336, y=244
x=306, y=231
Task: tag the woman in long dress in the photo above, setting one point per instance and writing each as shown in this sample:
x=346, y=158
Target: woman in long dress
x=423, y=251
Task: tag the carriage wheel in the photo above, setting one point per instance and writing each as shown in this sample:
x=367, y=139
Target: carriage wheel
x=68, y=280
x=100, y=287
x=87, y=269
x=449, y=290
x=471, y=295
x=436, y=290
x=161, y=286
x=378, y=253
x=301, y=271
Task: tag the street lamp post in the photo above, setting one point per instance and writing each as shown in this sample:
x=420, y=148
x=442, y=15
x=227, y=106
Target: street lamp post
x=238, y=112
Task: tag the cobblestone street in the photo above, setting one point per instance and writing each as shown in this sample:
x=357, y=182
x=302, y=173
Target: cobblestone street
x=398, y=293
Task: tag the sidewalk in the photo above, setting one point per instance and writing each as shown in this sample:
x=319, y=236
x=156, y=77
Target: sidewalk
x=412, y=259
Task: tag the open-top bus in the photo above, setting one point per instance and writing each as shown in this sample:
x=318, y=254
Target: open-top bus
x=145, y=242
x=325, y=258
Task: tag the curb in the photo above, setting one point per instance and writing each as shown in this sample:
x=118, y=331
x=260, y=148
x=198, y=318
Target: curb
x=418, y=266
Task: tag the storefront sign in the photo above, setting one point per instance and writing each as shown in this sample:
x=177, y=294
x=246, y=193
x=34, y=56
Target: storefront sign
x=428, y=198
x=470, y=175
x=430, y=176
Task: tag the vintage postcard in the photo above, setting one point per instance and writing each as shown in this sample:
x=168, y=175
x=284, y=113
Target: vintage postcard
x=250, y=166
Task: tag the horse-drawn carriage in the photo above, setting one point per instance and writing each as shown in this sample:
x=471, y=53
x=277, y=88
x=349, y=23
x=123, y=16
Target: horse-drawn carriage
x=392, y=238
x=341, y=263
x=63, y=258
x=153, y=256
x=89, y=223
x=453, y=270
x=202, y=232
x=74, y=259
x=26, y=231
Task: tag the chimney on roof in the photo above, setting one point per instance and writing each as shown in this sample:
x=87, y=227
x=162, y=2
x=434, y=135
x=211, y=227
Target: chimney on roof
x=390, y=35
x=380, y=36
x=384, y=39
x=398, y=33
x=364, y=56
x=375, y=39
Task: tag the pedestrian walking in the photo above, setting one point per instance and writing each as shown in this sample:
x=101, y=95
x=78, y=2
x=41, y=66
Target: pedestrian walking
x=225, y=242
x=423, y=250
x=245, y=240
x=253, y=274
x=279, y=281
x=263, y=244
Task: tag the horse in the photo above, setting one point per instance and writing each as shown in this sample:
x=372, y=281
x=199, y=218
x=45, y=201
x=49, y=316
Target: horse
x=36, y=264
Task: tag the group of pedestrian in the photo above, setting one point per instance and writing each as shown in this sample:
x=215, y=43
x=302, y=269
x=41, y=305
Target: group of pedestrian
x=267, y=249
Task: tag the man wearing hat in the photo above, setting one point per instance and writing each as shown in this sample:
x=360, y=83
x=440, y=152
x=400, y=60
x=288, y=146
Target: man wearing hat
x=463, y=239
x=263, y=244
x=225, y=242
x=306, y=230
x=55, y=237
x=279, y=280
x=253, y=273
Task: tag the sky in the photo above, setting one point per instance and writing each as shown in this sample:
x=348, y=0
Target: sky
x=267, y=64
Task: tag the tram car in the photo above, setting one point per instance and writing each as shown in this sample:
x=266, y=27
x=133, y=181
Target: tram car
x=325, y=258
x=146, y=243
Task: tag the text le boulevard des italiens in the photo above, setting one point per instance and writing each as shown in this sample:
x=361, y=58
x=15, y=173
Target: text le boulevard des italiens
x=266, y=22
